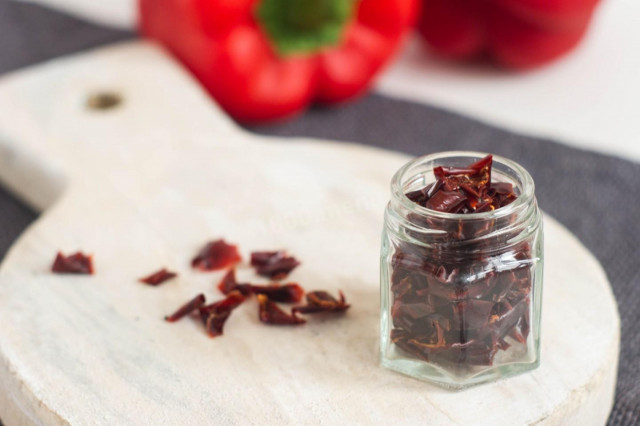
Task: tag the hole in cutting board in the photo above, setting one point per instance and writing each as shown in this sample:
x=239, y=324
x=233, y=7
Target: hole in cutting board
x=103, y=101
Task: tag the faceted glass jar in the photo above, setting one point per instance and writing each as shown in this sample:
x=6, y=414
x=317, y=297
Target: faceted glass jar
x=461, y=293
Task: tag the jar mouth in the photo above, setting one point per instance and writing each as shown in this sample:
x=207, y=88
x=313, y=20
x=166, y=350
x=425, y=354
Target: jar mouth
x=523, y=183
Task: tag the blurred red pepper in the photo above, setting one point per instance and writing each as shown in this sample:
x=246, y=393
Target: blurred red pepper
x=267, y=59
x=515, y=33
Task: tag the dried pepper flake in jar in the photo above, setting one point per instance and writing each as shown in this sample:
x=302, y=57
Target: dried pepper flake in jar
x=462, y=270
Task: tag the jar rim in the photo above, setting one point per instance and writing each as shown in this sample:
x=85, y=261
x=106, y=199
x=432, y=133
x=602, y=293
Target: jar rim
x=526, y=184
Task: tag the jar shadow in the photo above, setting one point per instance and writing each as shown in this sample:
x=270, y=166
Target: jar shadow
x=348, y=348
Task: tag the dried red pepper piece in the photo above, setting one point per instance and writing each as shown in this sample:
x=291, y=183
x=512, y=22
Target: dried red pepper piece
x=273, y=264
x=215, y=315
x=464, y=189
x=77, y=263
x=463, y=308
x=270, y=313
x=285, y=293
x=216, y=255
x=229, y=284
x=159, y=277
x=446, y=201
x=321, y=301
x=187, y=308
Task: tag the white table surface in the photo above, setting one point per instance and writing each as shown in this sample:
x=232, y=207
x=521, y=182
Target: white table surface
x=590, y=99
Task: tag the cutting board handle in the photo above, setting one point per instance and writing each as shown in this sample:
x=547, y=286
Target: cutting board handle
x=105, y=115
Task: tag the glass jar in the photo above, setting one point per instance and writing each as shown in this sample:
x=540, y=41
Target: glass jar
x=461, y=293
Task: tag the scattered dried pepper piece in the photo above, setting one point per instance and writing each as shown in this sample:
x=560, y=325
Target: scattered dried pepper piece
x=273, y=264
x=229, y=284
x=216, y=255
x=187, y=308
x=321, y=301
x=159, y=277
x=215, y=315
x=285, y=293
x=270, y=313
x=77, y=263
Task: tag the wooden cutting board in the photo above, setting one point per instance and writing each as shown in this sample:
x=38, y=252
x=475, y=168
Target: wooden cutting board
x=145, y=184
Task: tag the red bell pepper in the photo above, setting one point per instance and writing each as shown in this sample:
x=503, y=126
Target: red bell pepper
x=515, y=33
x=268, y=59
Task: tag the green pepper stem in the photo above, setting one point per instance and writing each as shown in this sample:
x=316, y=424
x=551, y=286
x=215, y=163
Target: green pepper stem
x=304, y=26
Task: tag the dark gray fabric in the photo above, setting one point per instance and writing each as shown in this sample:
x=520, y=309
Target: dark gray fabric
x=14, y=218
x=30, y=34
x=595, y=196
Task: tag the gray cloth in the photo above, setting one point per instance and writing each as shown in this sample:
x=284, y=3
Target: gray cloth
x=31, y=34
x=596, y=196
